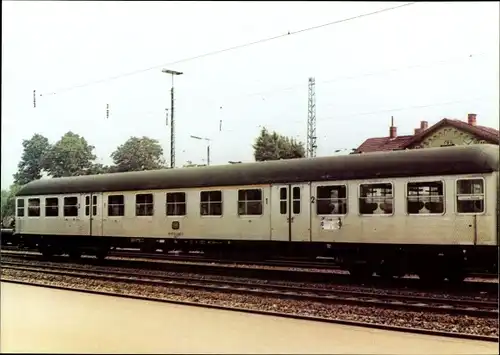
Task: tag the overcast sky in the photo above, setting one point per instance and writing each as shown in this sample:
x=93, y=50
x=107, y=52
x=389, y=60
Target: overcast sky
x=443, y=56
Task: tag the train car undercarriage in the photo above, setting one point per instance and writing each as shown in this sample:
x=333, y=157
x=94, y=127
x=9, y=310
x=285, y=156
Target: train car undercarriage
x=433, y=263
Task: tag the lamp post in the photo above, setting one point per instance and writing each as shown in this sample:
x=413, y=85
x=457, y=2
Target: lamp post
x=208, y=147
x=172, y=130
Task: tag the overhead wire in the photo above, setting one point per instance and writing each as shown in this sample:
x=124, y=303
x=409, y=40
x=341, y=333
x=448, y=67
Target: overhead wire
x=357, y=76
x=343, y=116
x=332, y=80
x=289, y=33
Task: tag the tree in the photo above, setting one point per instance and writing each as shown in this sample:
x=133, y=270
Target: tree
x=138, y=154
x=9, y=204
x=70, y=156
x=273, y=146
x=190, y=164
x=32, y=161
x=98, y=168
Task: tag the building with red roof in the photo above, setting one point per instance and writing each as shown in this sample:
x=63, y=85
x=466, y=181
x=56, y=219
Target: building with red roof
x=446, y=132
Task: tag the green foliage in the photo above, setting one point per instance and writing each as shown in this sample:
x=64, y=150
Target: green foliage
x=32, y=161
x=70, y=156
x=138, y=154
x=190, y=164
x=9, y=205
x=98, y=168
x=273, y=146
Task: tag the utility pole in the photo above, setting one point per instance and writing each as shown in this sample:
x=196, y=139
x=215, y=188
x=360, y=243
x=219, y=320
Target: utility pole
x=172, y=122
x=208, y=147
x=311, y=120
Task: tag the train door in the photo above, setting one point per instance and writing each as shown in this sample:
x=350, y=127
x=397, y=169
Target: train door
x=290, y=212
x=92, y=214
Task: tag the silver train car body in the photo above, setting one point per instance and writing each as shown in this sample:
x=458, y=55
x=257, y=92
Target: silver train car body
x=391, y=212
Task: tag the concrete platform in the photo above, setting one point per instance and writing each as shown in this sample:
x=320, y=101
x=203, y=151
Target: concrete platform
x=37, y=319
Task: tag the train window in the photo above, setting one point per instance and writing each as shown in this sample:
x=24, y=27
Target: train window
x=52, y=207
x=331, y=199
x=70, y=206
x=116, y=205
x=94, y=205
x=250, y=202
x=144, y=205
x=211, y=203
x=176, y=204
x=425, y=197
x=296, y=200
x=283, y=200
x=470, y=196
x=375, y=199
x=34, y=207
x=20, y=207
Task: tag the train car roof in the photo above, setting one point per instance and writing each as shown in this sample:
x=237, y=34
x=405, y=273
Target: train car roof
x=480, y=158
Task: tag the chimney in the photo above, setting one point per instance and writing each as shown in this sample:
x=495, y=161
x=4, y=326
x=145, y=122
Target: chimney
x=417, y=131
x=423, y=125
x=392, y=129
x=471, y=119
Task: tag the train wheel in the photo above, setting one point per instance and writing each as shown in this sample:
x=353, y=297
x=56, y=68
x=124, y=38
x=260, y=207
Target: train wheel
x=360, y=271
x=455, y=276
x=431, y=277
x=75, y=254
x=101, y=254
x=47, y=251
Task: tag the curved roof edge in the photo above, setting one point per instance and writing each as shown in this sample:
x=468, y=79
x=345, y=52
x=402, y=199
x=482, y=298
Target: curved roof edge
x=481, y=158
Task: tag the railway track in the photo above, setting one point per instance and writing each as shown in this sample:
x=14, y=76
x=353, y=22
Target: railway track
x=259, y=272
x=467, y=307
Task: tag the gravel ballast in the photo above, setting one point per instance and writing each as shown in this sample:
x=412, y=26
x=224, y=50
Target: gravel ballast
x=373, y=315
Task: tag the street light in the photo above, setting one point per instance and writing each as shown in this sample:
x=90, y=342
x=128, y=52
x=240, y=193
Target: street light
x=172, y=131
x=208, y=147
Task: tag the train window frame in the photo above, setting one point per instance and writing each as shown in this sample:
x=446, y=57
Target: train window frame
x=34, y=208
x=88, y=204
x=295, y=200
x=317, y=198
x=121, y=206
x=245, y=202
x=455, y=199
x=377, y=183
x=444, y=197
x=212, y=202
x=284, y=201
x=51, y=207
x=145, y=205
x=71, y=207
x=20, y=208
x=175, y=204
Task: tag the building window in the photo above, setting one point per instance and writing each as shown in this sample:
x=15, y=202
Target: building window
x=144, y=205
x=176, y=204
x=375, y=199
x=211, y=203
x=116, y=205
x=34, y=207
x=70, y=206
x=425, y=197
x=331, y=199
x=470, y=196
x=250, y=202
x=283, y=200
x=20, y=207
x=52, y=207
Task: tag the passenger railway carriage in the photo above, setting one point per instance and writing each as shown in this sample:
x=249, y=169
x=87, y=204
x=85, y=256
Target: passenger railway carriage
x=431, y=211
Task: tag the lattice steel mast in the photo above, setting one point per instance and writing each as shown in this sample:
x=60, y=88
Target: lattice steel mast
x=311, y=120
